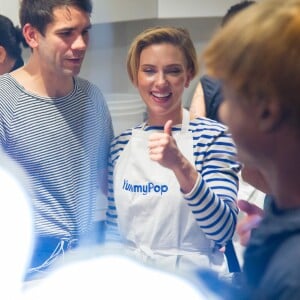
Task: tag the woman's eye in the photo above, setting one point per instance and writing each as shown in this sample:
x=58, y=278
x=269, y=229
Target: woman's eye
x=150, y=71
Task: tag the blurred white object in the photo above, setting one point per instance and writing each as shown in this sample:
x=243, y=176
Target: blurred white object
x=127, y=110
x=16, y=228
x=114, y=277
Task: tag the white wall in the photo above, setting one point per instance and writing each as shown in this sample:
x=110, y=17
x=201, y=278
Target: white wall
x=105, y=59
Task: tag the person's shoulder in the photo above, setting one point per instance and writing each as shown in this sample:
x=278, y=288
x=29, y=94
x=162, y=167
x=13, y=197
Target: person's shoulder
x=280, y=267
x=283, y=271
x=91, y=91
x=202, y=124
x=208, y=79
x=119, y=143
x=6, y=78
x=86, y=85
x=9, y=87
x=210, y=83
x=126, y=133
x=124, y=136
x=290, y=247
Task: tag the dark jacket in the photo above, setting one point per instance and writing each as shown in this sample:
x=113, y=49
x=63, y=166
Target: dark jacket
x=272, y=258
x=212, y=96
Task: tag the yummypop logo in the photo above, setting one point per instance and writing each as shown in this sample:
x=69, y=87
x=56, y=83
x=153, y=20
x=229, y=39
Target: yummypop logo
x=145, y=189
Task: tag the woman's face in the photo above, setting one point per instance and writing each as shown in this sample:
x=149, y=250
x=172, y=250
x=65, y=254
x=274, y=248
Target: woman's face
x=162, y=77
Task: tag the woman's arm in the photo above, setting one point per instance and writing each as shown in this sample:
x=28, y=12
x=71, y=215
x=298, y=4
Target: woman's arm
x=112, y=233
x=213, y=198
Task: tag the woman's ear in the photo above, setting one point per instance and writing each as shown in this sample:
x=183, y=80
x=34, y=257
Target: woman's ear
x=270, y=114
x=3, y=54
x=31, y=35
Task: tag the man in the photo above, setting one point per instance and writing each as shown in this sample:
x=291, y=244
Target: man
x=256, y=57
x=57, y=127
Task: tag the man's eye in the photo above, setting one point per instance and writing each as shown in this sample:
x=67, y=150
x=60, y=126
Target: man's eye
x=85, y=32
x=65, y=33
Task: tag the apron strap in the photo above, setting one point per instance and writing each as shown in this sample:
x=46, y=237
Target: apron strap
x=185, y=121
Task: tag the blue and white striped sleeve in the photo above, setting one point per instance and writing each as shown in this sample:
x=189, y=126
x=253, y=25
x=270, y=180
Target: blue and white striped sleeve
x=112, y=229
x=213, y=198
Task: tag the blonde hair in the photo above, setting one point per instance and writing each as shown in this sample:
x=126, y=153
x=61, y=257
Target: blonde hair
x=178, y=37
x=258, y=54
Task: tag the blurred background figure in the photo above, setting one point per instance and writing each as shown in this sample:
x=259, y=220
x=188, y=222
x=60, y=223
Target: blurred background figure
x=208, y=93
x=11, y=39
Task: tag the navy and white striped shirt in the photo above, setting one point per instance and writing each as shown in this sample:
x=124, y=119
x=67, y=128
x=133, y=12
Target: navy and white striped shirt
x=63, y=145
x=213, y=198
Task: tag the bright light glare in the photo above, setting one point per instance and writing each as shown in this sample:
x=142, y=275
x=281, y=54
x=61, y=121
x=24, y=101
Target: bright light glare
x=114, y=277
x=16, y=234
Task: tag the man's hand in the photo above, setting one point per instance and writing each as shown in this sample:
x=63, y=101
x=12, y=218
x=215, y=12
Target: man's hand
x=254, y=215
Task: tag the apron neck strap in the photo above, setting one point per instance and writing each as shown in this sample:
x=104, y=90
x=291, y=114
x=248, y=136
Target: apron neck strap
x=185, y=120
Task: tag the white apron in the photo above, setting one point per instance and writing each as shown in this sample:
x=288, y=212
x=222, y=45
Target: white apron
x=154, y=219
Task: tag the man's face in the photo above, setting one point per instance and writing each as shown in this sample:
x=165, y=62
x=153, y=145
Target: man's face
x=244, y=127
x=62, y=48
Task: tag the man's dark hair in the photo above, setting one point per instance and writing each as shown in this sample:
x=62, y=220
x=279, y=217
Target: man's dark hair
x=11, y=39
x=39, y=13
x=234, y=9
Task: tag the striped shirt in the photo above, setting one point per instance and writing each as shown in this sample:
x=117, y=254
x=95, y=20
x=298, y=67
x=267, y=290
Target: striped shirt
x=63, y=146
x=213, y=198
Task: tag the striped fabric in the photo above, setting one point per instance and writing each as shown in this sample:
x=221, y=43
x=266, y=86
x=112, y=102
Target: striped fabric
x=63, y=145
x=212, y=199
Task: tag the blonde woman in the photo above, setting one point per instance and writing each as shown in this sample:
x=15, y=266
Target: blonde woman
x=173, y=182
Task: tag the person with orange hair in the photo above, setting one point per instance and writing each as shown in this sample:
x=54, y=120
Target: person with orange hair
x=260, y=78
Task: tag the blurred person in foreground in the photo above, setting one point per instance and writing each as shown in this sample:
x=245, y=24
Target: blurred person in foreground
x=206, y=102
x=260, y=76
x=11, y=39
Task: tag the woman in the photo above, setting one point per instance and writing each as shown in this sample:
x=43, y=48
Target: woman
x=10, y=50
x=173, y=182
